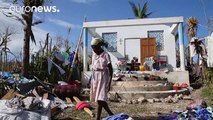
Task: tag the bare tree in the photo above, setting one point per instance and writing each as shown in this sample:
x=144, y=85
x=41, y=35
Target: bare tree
x=5, y=38
x=26, y=18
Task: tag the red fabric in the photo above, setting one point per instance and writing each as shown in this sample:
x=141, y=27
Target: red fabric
x=81, y=105
x=176, y=87
x=184, y=85
x=67, y=90
x=72, y=82
x=161, y=61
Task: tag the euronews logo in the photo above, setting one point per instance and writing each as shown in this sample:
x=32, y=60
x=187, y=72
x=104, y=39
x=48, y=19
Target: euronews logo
x=51, y=9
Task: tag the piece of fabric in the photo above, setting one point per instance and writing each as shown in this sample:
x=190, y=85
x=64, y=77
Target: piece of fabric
x=49, y=65
x=121, y=116
x=59, y=56
x=18, y=113
x=192, y=50
x=95, y=41
x=50, y=62
x=100, y=76
x=81, y=105
x=195, y=113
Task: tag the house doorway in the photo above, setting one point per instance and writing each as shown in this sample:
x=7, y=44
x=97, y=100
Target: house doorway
x=147, y=48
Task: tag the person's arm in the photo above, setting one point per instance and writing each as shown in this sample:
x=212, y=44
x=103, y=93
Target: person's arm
x=111, y=74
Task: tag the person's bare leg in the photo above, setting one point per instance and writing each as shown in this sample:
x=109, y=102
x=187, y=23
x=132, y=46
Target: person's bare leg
x=98, y=117
x=106, y=107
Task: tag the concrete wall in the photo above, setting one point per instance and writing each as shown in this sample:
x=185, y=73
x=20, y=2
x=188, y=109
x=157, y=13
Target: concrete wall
x=125, y=33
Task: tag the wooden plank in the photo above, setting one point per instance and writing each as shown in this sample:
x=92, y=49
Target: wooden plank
x=45, y=96
x=10, y=94
x=20, y=95
x=68, y=100
x=87, y=110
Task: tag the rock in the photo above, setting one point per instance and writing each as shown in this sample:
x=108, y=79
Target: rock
x=190, y=89
x=134, y=101
x=180, y=96
x=124, y=101
x=162, y=99
x=175, y=100
x=141, y=99
x=150, y=100
x=187, y=97
x=129, y=102
x=159, y=84
x=156, y=100
x=168, y=99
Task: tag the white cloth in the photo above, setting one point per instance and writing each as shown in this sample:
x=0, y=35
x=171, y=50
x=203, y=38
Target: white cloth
x=22, y=114
x=192, y=50
x=50, y=62
x=95, y=41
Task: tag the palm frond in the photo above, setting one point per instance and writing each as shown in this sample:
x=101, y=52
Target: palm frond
x=134, y=8
x=148, y=14
x=138, y=10
x=32, y=37
x=144, y=10
x=37, y=22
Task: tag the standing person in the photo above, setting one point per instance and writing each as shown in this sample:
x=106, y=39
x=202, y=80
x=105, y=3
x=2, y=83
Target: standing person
x=101, y=76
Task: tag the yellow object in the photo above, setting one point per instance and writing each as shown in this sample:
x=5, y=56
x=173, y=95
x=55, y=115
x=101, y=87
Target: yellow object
x=141, y=67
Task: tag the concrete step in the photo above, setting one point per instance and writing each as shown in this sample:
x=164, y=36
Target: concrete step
x=141, y=88
x=137, y=82
x=130, y=95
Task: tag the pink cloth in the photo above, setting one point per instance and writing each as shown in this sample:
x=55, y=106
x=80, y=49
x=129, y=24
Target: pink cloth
x=100, y=76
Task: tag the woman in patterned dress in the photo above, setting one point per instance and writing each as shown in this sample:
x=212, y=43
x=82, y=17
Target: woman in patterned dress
x=101, y=76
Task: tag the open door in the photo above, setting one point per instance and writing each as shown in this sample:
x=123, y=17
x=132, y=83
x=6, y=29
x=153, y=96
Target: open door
x=147, y=48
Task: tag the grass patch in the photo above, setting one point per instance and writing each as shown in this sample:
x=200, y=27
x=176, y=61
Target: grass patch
x=207, y=91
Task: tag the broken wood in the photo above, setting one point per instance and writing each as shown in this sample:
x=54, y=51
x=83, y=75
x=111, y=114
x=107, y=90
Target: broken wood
x=68, y=100
x=54, y=110
x=45, y=96
x=20, y=95
x=10, y=94
x=87, y=110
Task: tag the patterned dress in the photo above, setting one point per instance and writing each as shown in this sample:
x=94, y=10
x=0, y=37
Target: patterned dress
x=100, y=76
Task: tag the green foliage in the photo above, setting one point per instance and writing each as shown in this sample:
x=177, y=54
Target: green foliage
x=207, y=91
x=140, y=12
x=208, y=76
x=39, y=67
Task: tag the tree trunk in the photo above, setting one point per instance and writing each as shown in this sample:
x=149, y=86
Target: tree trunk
x=26, y=51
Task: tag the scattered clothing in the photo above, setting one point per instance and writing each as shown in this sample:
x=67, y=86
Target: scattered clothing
x=120, y=116
x=196, y=113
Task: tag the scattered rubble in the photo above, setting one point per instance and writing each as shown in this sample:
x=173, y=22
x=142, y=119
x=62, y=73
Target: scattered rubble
x=170, y=99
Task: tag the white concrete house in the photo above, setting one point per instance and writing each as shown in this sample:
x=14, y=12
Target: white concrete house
x=138, y=38
x=125, y=37
x=209, y=47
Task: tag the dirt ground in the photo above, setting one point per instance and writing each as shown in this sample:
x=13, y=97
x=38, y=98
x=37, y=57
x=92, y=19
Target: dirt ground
x=144, y=111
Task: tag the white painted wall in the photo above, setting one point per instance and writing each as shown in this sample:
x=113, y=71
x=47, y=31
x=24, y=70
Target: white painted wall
x=128, y=32
x=210, y=51
x=130, y=50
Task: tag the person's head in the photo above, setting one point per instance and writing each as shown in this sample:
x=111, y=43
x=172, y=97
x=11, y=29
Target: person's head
x=96, y=44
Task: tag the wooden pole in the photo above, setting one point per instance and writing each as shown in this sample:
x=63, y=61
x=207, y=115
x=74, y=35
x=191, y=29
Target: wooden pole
x=75, y=55
x=87, y=110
